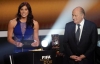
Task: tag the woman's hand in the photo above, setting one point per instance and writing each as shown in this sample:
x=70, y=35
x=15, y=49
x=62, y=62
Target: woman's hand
x=19, y=44
x=35, y=44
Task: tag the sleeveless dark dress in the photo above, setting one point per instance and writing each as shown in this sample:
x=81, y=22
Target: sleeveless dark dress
x=22, y=32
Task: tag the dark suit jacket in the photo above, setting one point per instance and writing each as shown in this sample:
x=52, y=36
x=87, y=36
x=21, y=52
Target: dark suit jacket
x=87, y=42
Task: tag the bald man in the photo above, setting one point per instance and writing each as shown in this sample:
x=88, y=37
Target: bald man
x=80, y=39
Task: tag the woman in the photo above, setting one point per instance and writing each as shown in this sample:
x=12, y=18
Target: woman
x=24, y=27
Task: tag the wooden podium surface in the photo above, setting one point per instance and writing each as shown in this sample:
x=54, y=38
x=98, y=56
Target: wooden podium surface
x=31, y=57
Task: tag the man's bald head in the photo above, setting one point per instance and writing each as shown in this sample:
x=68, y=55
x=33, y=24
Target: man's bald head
x=80, y=9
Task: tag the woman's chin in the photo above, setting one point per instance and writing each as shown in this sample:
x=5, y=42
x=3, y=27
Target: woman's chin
x=24, y=16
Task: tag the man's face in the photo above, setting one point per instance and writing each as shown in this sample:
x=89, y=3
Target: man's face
x=77, y=16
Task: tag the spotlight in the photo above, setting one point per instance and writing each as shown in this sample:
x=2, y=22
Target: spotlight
x=44, y=43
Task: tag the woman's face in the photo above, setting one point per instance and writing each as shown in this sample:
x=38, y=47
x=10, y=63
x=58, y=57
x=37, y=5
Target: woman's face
x=24, y=12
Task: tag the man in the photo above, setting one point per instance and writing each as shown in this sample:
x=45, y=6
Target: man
x=80, y=39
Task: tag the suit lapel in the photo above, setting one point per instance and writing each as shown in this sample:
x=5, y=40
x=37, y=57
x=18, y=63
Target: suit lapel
x=83, y=32
x=73, y=32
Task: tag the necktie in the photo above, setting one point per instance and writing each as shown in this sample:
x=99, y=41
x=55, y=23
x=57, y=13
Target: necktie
x=78, y=33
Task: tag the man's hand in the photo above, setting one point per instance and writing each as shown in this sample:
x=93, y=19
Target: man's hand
x=74, y=57
x=82, y=56
x=79, y=58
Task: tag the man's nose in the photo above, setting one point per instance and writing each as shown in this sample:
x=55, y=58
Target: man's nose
x=73, y=17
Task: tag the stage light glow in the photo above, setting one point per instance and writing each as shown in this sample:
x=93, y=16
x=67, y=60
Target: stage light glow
x=44, y=43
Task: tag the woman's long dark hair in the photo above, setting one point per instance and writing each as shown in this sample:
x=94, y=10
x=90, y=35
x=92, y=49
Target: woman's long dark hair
x=30, y=17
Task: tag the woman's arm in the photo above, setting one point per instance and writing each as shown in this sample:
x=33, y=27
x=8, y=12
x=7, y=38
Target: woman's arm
x=10, y=32
x=36, y=35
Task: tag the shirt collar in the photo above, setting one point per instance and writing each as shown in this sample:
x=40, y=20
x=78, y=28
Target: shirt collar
x=82, y=22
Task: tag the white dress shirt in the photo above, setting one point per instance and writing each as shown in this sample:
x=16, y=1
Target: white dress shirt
x=81, y=28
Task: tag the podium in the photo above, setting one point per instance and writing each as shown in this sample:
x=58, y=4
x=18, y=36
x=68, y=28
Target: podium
x=31, y=57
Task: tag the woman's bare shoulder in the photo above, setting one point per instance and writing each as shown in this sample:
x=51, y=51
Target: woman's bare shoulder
x=36, y=25
x=13, y=22
x=35, y=22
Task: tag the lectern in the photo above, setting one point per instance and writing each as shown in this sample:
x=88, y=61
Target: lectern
x=31, y=57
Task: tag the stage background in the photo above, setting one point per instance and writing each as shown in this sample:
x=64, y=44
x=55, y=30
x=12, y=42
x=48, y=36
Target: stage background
x=46, y=12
